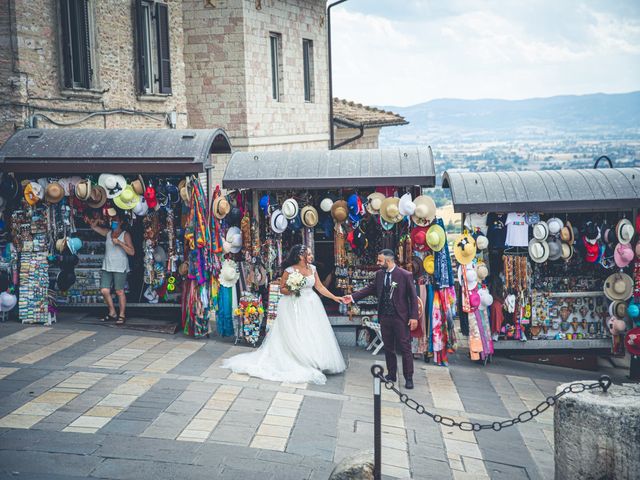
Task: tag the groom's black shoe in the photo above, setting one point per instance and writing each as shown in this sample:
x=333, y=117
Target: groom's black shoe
x=390, y=378
x=408, y=384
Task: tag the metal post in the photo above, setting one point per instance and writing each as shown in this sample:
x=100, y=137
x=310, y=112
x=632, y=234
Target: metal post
x=376, y=371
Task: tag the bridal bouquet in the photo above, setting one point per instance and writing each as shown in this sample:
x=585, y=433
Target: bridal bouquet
x=295, y=282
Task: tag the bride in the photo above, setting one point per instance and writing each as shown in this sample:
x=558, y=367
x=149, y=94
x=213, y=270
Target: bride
x=300, y=346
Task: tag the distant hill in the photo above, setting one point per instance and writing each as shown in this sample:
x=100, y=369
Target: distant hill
x=596, y=116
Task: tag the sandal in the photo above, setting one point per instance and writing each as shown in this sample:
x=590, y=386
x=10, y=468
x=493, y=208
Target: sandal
x=108, y=318
x=121, y=320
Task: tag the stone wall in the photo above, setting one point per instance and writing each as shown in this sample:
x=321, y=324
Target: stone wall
x=31, y=73
x=368, y=140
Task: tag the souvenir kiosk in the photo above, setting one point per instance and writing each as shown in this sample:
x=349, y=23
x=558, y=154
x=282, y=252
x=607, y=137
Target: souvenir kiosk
x=55, y=182
x=346, y=205
x=560, y=255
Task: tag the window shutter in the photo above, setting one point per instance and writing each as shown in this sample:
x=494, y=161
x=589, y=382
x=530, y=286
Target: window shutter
x=141, y=50
x=67, y=73
x=88, y=71
x=164, y=62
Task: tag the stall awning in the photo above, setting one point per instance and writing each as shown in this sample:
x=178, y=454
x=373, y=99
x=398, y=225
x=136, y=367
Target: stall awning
x=75, y=150
x=603, y=189
x=315, y=169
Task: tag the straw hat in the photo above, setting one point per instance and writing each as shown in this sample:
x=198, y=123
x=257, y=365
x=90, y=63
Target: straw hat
x=98, y=197
x=618, y=308
x=624, y=231
x=436, y=238
x=406, y=205
x=425, y=210
x=138, y=185
x=538, y=250
x=185, y=195
x=83, y=190
x=128, y=199
x=290, y=208
x=618, y=286
x=221, y=207
x=340, y=211
x=374, y=202
x=229, y=273
x=33, y=193
x=326, y=204
x=541, y=231
x=279, y=222
x=429, y=264
x=309, y=216
x=54, y=192
x=464, y=249
x=61, y=243
x=390, y=211
x=567, y=251
x=555, y=225
x=112, y=184
x=566, y=234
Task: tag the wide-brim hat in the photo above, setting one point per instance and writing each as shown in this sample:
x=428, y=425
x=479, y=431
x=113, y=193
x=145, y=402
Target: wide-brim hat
x=326, y=204
x=538, y=250
x=185, y=195
x=632, y=341
x=464, y=249
x=425, y=210
x=290, y=208
x=340, y=211
x=279, y=222
x=567, y=251
x=54, y=192
x=113, y=184
x=406, y=206
x=374, y=202
x=566, y=233
x=540, y=231
x=482, y=242
x=74, y=244
x=138, y=185
x=436, y=238
x=609, y=236
x=419, y=238
x=309, y=216
x=624, y=231
x=555, y=225
x=429, y=264
x=618, y=308
x=82, y=190
x=591, y=232
x=555, y=250
x=623, y=254
x=618, y=286
x=229, y=274
x=98, y=197
x=128, y=199
x=389, y=210
x=221, y=207
x=33, y=193
x=7, y=301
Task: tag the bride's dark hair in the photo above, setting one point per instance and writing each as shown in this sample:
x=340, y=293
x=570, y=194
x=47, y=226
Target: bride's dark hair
x=294, y=255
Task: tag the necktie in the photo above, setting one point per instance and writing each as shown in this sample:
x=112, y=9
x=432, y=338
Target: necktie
x=387, y=279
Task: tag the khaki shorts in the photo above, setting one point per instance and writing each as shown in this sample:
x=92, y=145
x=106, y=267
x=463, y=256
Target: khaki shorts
x=115, y=279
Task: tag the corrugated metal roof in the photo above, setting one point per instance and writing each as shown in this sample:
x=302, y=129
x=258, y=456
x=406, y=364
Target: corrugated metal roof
x=313, y=169
x=545, y=190
x=70, y=150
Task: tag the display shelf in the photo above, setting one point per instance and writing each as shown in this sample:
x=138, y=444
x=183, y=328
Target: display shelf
x=584, y=344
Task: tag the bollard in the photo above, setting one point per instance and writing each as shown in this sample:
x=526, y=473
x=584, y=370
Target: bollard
x=376, y=371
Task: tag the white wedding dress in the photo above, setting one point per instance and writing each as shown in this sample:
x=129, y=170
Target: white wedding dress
x=300, y=345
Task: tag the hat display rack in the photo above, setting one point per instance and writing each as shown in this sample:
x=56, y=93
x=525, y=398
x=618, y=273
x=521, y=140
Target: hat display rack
x=563, y=283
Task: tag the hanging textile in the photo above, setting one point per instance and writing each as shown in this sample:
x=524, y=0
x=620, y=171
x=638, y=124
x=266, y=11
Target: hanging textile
x=443, y=273
x=224, y=318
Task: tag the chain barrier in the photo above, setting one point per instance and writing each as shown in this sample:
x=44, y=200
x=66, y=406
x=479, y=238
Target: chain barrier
x=604, y=383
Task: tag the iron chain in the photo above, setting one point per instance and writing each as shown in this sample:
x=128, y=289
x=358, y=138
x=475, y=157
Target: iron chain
x=604, y=383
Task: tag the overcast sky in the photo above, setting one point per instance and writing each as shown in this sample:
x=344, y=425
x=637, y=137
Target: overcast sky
x=403, y=52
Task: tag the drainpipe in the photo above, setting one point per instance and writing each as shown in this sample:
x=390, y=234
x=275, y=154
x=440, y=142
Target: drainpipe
x=331, y=136
x=345, y=123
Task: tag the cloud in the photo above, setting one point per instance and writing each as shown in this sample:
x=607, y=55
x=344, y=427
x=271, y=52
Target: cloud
x=465, y=49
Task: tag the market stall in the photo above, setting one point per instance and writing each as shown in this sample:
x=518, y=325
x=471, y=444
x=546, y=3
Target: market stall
x=60, y=190
x=346, y=206
x=556, y=255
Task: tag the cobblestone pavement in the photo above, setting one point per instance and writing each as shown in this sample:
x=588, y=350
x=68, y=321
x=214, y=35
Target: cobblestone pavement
x=87, y=401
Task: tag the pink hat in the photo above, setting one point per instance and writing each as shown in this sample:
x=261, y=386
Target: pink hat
x=623, y=254
x=474, y=299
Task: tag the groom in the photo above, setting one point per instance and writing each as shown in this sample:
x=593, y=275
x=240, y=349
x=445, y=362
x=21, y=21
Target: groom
x=397, y=311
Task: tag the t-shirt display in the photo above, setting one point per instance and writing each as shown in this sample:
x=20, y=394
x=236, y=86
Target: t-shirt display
x=517, y=230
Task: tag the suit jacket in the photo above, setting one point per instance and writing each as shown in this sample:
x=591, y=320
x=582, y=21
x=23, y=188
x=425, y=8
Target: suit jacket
x=404, y=297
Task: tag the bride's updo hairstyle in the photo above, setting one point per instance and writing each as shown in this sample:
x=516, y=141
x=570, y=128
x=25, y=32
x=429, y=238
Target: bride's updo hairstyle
x=295, y=253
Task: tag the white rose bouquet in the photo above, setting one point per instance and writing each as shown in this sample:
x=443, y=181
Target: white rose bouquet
x=295, y=282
